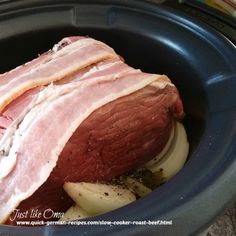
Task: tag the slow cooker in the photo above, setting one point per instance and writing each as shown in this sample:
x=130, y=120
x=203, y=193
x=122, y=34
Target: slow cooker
x=195, y=48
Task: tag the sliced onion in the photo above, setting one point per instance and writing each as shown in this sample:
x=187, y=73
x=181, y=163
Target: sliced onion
x=175, y=157
x=74, y=213
x=96, y=198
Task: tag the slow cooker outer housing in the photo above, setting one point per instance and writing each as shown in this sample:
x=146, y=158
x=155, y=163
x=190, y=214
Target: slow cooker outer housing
x=158, y=39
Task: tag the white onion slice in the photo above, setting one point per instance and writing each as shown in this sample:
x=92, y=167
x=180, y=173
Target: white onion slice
x=96, y=198
x=176, y=156
x=74, y=213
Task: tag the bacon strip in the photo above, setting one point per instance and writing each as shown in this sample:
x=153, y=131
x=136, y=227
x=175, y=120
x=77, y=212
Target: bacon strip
x=52, y=67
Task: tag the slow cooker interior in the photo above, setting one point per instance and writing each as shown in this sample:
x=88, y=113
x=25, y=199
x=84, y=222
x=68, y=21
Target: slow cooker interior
x=155, y=40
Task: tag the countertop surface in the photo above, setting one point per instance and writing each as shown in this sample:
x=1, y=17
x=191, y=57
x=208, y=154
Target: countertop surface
x=225, y=224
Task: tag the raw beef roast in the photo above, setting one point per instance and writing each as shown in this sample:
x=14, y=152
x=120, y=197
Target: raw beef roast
x=77, y=113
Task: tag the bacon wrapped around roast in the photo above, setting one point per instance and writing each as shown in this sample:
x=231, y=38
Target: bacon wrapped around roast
x=77, y=113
